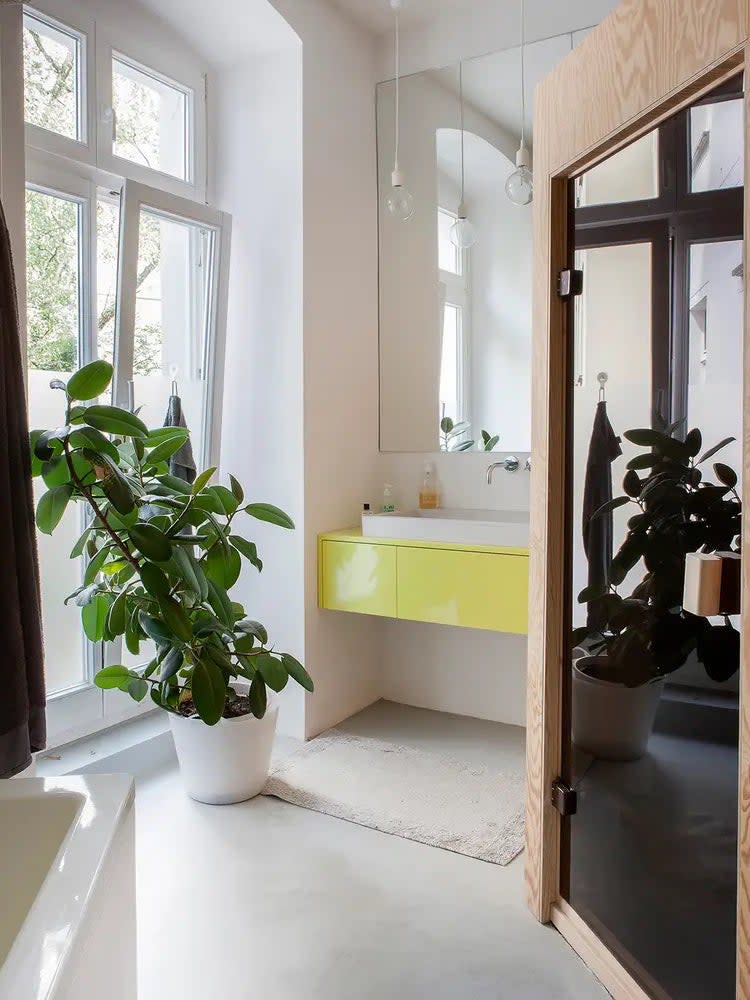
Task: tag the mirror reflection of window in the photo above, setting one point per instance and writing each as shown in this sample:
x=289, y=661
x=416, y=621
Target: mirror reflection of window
x=449, y=256
x=450, y=364
x=454, y=297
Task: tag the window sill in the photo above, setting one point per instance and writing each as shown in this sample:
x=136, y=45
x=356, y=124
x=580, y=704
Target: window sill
x=79, y=755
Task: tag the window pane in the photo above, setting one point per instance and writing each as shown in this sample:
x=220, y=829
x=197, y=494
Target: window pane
x=151, y=120
x=449, y=257
x=174, y=268
x=53, y=292
x=717, y=138
x=107, y=240
x=51, y=67
x=449, y=369
x=715, y=361
x=632, y=174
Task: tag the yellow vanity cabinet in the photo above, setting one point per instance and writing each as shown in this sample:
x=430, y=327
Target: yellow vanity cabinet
x=357, y=577
x=474, y=587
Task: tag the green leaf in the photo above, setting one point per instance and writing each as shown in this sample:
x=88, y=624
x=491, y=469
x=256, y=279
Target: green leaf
x=712, y=451
x=491, y=443
x=209, y=691
x=253, y=628
x=164, y=451
x=114, y=420
x=297, y=672
x=161, y=434
x=118, y=615
x=258, y=698
x=55, y=472
x=220, y=603
x=189, y=571
x=94, y=617
x=267, y=512
x=90, y=437
x=647, y=461
x=51, y=508
x=227, y=499
x=36, y=461
x=223, y=567
x=244, y=644
x=632, y=483
x=693, y=441
x=203, y=479
x=171, y=663
x=94, y=565
x=79, y=546
x=154, y=580
x=112, y=677
x=610, y=505
x=155, y=629
x=272, y=671
x=90, y=381
x=152, y=542
x=175, y=486
x=138, y=689
x=248, y=549
x=239, y=493
x=176, y=619
x=725, y=474
x=113, y=483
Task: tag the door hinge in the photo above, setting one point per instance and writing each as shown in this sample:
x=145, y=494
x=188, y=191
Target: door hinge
x=564, y=798
x=569, y=283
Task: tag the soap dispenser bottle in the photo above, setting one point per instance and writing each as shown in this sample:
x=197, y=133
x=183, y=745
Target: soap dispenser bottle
x=429, y=497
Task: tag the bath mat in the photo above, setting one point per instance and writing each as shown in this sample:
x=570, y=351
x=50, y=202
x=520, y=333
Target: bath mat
x=472, y=810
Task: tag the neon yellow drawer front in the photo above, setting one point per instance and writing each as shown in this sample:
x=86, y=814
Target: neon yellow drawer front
x=472, y=589
x=473, y=586
x=358, y=577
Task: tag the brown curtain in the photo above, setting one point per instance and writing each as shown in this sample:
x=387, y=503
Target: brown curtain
x=22, y=698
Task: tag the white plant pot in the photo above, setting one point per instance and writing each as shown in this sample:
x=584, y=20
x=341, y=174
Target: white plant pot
x=227, y=762
x=611, y=721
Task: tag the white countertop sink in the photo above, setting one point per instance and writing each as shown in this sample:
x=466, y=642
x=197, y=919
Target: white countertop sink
x=509, y=528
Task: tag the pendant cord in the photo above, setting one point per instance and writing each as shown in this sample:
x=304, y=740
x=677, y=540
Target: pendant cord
x=461, y=103
x=523, y=72
x=398, y=88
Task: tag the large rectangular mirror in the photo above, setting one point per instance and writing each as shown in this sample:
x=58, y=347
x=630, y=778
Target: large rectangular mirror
x=455, y=324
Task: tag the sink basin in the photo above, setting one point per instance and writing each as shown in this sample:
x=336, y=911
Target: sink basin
x=464, y=527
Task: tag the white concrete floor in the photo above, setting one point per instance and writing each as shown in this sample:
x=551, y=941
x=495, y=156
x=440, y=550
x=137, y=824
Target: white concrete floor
x=268, y=900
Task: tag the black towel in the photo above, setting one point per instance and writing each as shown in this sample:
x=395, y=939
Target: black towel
x=182, y=463
x=597, y=534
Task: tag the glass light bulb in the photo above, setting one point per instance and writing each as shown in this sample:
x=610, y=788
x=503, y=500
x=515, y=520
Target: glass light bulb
x=400, y=203
x=463, y=234
x=520, y=186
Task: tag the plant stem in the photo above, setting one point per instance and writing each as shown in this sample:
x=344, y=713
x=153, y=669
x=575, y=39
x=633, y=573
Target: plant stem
x=86, y=491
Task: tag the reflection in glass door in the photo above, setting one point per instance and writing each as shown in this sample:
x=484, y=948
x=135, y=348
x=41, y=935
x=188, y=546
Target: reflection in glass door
x=651, y=695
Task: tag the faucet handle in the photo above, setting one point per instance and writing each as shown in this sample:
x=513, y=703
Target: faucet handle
x=527, y=466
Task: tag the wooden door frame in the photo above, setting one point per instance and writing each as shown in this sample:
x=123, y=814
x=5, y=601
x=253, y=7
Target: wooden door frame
x=647, y=60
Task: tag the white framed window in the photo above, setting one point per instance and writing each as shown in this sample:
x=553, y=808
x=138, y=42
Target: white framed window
x=58, y=61
x=454, y=278
x=152, y=116
x=125, y=106
x=119, y=269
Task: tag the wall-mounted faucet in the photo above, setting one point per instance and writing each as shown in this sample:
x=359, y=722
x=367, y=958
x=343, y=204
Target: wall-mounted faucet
x=510, y=464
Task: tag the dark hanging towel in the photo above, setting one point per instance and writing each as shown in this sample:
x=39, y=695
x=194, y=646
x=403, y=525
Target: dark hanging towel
x=597, y=534
x=182, y=463
x=22, y=702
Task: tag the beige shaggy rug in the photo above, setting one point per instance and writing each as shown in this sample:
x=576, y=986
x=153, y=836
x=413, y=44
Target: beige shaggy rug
x=427, y=797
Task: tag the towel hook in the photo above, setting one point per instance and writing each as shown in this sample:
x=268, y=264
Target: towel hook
x=602, y=378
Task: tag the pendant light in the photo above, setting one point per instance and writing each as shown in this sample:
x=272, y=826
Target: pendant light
x=400, y=201
x=520, y=185
x=463, y=235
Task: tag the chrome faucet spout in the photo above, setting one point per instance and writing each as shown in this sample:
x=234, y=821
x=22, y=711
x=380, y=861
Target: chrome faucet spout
x=491, y=471
x=510, y=464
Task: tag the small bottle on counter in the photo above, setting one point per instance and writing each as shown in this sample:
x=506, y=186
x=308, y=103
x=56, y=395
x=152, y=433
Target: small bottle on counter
x=429, y=497
x=388, y=504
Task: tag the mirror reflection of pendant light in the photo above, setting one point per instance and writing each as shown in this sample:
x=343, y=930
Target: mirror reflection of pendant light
x=400, y=201
x=520, y=185
x=463, y=235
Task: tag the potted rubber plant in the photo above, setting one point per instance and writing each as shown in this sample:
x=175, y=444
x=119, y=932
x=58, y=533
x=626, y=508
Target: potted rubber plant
x=640, y=639
x=162, y=557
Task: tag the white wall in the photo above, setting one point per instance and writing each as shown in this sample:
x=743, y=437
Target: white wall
x=480, y=27
x=263, y=414
x=340, y=377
